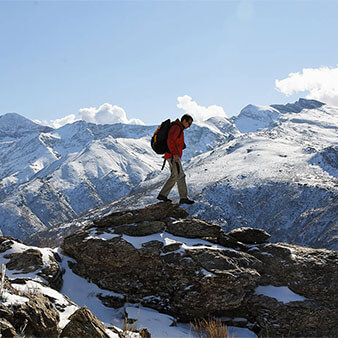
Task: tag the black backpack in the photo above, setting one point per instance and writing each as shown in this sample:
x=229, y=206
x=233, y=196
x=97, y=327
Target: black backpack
x=159, y=139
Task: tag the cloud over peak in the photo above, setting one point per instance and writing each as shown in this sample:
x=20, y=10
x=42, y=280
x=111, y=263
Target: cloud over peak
x=106, y=114
x=199, y=113
x=321, y=83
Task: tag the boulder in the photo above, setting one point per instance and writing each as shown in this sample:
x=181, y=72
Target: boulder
x=312, y=273
x=194, y=228
x=249, y=235
x=36, y=318
x=300, y=318
x=31, y=260
x=27, y=261
x=84, y=324
x=187, y=282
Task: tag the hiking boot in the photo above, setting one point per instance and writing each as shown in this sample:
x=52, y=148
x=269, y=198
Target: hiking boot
x=163, y=198
x=186, y=201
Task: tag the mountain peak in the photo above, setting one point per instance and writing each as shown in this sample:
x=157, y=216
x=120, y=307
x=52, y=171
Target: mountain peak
x=298, y=106
x=253, y=117
x=15, y=125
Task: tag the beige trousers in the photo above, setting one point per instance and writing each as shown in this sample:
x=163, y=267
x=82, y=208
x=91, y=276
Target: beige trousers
x=177, y=176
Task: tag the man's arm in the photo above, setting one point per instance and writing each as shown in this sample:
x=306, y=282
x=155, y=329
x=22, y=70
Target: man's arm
x=173, y=134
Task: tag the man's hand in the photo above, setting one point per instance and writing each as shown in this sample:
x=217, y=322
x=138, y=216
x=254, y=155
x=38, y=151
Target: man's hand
x=176, y=158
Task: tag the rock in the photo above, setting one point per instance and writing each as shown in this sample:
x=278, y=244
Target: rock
x=27, y=261
x=7, y=329
x=140, y=229
x=300, y=319
x=187, y=282
x=154, y=212
x=312, y=273
x=84, y=324
x=208, y=273
x=194, y=228
x=5, y=243
x=36, y=318
x=249, y=235
x=31, y=260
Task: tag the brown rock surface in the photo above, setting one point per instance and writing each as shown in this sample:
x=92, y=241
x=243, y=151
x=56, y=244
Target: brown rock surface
x=84, y=324
x=195, y=281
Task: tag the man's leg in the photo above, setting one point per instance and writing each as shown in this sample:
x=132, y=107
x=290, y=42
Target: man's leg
x=171, y=180
x=181, y=183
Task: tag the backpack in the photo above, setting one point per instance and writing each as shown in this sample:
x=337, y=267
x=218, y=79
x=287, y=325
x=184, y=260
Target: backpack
x=159, y=139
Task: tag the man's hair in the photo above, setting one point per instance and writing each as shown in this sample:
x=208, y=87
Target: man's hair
x=187, y=117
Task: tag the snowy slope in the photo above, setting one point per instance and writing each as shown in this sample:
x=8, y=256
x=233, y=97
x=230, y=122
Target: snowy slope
x=50, y=176
x=253, y=118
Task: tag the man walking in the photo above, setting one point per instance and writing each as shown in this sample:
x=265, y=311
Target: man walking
x=176, y=145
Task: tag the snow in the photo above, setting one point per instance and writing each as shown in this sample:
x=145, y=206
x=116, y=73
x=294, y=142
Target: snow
x=83, y=293
x=253, y=118
x=281, y=293
x=161, y=325
x=63, y=306
x=17, y=247
x=11, y=299
x=163, y=237
x=78, y=167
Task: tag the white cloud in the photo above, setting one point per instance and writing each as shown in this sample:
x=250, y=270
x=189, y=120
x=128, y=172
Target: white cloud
x=199, y=113
x=58, y=122
x=321, y=83
x=106, y=114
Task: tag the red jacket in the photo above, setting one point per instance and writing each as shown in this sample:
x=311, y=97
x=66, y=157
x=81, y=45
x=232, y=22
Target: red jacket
x=175, y=140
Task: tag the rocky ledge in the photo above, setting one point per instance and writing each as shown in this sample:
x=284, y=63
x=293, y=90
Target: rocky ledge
x=190, y=269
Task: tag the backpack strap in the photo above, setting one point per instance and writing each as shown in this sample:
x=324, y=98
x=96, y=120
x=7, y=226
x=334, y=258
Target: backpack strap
x=163, y=165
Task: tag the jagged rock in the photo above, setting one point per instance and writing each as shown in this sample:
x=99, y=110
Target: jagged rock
x=5, y=243
x=184, y=281
x=194, y=228
x=209, y=278
x=37, y=317
x=27, y=261
x=154, y=212
x=230, y=242
x=31, y=260
x=7, y=329
x=84, y=324
x=312, y=273
x=249, y=235
x=53, y=275
x=297, y=319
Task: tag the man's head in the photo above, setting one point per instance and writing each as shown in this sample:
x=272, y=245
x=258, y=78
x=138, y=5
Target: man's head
x=186, y=120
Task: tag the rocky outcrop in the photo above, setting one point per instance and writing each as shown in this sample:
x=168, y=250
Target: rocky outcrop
x=249, y=235
x=84, y=324
x=29, y=260
x=26, y=312
x=30, y=314
x=192, y=269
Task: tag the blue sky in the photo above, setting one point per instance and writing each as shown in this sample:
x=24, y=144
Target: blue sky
x=143, y=60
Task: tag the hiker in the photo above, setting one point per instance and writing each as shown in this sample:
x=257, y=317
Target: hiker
x=176, y=145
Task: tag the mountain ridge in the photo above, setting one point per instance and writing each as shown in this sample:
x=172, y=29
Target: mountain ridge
x=288, y=168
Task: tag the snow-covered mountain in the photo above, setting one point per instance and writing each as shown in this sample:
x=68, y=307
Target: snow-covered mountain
x=253, y=118
x=49, y=176
x=283, y=178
